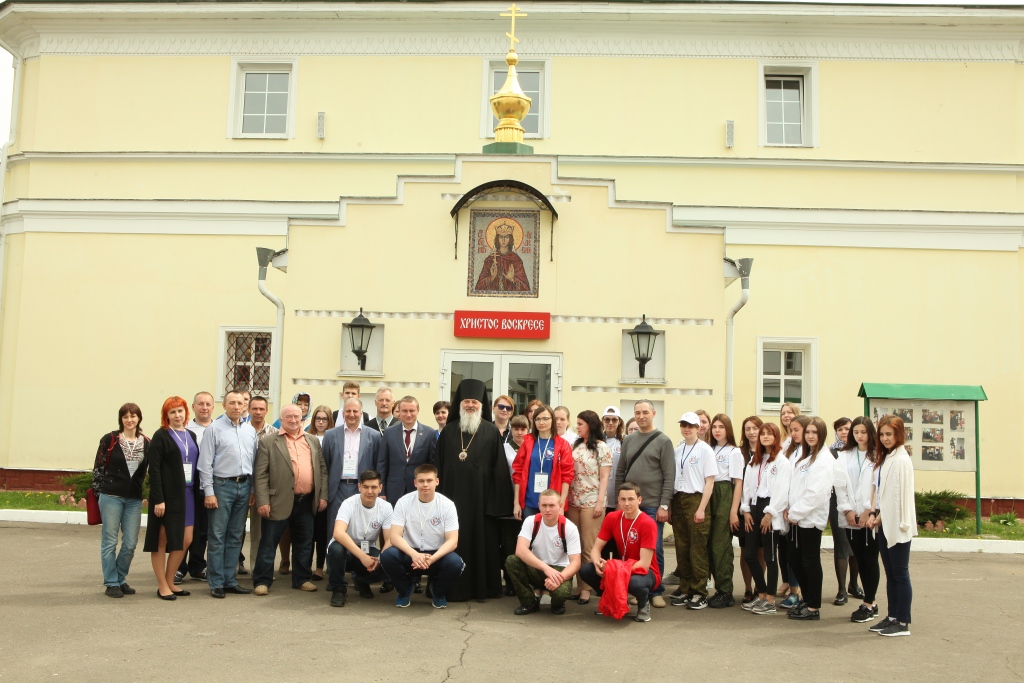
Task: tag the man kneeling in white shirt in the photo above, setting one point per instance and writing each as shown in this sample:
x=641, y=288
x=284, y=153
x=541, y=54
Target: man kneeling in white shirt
x=547, y=557
x=424, y=535
x=356, y=547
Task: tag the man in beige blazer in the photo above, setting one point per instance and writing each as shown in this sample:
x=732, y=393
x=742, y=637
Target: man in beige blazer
x=291, y=487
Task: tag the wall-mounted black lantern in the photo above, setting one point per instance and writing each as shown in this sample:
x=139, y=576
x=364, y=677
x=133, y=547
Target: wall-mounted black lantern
x=359, y=331
x=643, y=337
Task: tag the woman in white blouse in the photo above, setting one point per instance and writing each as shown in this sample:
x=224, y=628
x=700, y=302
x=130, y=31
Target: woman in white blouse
x=895, y=520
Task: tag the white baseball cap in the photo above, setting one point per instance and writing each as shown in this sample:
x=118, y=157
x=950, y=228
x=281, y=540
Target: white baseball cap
x=612, y=410
x=690, y=418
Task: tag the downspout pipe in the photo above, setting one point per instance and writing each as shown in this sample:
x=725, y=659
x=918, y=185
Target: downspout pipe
x=264, y=256
x=743, y=265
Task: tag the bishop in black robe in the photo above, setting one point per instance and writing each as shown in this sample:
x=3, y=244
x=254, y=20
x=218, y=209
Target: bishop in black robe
x=480, y=485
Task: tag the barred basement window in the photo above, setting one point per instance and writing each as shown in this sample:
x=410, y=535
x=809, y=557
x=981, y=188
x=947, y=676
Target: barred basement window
x=247, y=362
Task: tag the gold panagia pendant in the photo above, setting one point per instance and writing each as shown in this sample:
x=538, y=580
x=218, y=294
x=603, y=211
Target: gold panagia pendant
x=463, y=455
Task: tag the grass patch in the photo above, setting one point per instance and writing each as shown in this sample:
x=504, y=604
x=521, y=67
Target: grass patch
x=965, y=528
x=32, y=500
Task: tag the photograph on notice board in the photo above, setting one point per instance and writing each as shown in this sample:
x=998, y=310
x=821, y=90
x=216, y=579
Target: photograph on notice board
x=931, y=417
x=905, y=414
x=933, y=453
x=956, y=420
x=956, y=449
x=910, y=434
x=910, y=449
x=932, y=435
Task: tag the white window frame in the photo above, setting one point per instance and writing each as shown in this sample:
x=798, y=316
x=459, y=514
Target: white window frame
x=487, y=117
x=809, y=120
x=809, y=347
x=240, y=67
x=222, y=358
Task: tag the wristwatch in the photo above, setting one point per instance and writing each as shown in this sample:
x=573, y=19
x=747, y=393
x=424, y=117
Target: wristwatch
x=664, y=507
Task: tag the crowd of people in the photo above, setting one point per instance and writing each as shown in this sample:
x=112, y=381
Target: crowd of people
x=491, y=503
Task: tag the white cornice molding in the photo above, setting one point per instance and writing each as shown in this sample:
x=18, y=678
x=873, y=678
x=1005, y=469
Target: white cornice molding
x=555, y=318
x=570, y=159
x=865, y=228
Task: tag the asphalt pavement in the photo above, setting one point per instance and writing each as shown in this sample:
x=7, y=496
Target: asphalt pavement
x=56, y=624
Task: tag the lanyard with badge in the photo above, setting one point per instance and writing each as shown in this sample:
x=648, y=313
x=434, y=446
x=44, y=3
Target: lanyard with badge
x=625, y=536
x=186, y=464
x=682, y=458
x=369, y=533
x=761, y=470
x=348, y=467
x=540, y=479
x=423, y=522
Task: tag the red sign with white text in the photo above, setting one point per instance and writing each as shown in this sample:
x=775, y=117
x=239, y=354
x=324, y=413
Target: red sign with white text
x=494, y=324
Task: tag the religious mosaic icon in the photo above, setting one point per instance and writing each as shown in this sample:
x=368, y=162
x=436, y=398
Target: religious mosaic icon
x=503, y=253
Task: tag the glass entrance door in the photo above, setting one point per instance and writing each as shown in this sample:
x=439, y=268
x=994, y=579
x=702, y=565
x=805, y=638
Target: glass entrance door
x=523, y=376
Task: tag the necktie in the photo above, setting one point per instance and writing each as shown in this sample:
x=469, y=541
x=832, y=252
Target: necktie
x=408, y=452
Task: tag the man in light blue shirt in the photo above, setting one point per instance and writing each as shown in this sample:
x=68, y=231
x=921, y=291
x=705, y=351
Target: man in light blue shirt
x=225, y=473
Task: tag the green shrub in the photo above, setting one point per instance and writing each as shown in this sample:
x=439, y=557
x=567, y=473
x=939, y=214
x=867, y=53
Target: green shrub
x=933, y=506
x=82, y=482
x=1008, y=519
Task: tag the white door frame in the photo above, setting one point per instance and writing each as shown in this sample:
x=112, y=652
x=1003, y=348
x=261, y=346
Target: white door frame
x=501, y=360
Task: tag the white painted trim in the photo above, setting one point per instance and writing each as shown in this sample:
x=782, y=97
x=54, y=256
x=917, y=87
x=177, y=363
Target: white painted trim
x=809, y=345
x=642, y=390
x=529, y=64
x=236, y=91
x=865, y=228
x=555, y=318
x=340, y=381
x=222, y=339
x=790, y=67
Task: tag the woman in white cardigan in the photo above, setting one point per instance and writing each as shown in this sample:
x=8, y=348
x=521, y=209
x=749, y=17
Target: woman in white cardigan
x=854, y=485
x=895, y=519
x=809, y=492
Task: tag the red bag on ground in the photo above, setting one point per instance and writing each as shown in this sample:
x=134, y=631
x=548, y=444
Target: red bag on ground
x=615, y=584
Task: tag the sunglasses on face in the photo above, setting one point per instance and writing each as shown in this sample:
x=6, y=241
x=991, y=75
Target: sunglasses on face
x=502, y=406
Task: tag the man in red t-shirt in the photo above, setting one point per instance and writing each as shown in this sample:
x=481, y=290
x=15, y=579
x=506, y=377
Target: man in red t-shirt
x=636, y=536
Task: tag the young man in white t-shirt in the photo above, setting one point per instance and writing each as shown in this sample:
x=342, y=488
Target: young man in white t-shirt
x=355, y=546
x=547, y=557
x=424, y=535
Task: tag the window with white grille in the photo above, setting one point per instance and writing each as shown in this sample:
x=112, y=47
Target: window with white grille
x=787, y=373
x=788, y=104
x=262, y=101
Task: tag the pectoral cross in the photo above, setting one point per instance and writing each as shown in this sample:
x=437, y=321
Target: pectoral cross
x=512, y=36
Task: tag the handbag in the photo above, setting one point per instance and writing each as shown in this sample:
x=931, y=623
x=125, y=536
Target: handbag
x=92, y=500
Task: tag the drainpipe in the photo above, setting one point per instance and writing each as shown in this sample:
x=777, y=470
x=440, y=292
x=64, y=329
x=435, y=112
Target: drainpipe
x=15, y=118
x=743, y=265
x=264, y=256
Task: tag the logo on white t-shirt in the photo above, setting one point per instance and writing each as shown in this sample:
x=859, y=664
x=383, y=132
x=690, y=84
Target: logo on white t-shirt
x=557, y=541
x=721, y=457
x=375, y=525
x=693, y=459
x=434, y=521
x=775, y=469
x=803, y=470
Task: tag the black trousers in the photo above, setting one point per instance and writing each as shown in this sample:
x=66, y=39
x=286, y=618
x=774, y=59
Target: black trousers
x=899, y=592
x=804, y=549
x=321, y=537
x=865, y=549
x=756, y=539
x=194, y=562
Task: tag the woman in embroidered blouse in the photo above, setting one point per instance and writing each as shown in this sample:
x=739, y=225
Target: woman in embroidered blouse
x=592, y=463
x=174, y=454
x=117, y=475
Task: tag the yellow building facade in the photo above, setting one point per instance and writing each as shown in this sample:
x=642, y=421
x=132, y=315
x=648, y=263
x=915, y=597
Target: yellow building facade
x=869, y=159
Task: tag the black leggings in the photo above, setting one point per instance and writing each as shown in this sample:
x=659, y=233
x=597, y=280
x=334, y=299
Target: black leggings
x=755, y=540
x=865, y=549
x=804, y=551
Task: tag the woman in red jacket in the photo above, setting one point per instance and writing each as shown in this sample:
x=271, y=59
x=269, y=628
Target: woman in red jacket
x=544, y=461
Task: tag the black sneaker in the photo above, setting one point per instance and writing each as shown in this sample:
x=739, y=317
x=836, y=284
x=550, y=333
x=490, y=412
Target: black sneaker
x=796, y=608
x=127, y=590
x=339, y=597
x=521, y=610
x=880, y=626
x=386, y=587
x=681, y=600
x=721, y=600
x=678, y=593
x=178, y=578
x=864, y=614
x=365, y=591
x=806, y=614
x=113, y=592
x=841, y=599
x=856, y=592
x=558, y=610
x=697, y=602
x=895, y=629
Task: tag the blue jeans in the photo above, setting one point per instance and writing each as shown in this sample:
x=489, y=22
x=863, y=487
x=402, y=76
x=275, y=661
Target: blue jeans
x=340, y=561
x=898, y=590
x=227, y=522
x=659, y=554
x=119, y=515
x=398, y=566
x=300, y=522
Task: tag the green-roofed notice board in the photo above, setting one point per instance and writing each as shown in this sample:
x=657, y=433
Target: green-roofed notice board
x=941, y=420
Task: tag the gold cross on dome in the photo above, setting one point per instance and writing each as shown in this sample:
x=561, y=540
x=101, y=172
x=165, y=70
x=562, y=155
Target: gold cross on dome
x=512, y=36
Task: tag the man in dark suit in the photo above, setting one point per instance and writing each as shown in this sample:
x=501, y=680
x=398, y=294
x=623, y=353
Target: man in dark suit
x=291, y=487
x=350, y=390
x=349, y=449
x=384, y=418
x=405, y=447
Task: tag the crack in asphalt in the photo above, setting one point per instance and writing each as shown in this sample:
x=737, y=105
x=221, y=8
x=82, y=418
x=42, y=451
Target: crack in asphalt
x=464, y=627
x=1012, y=670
